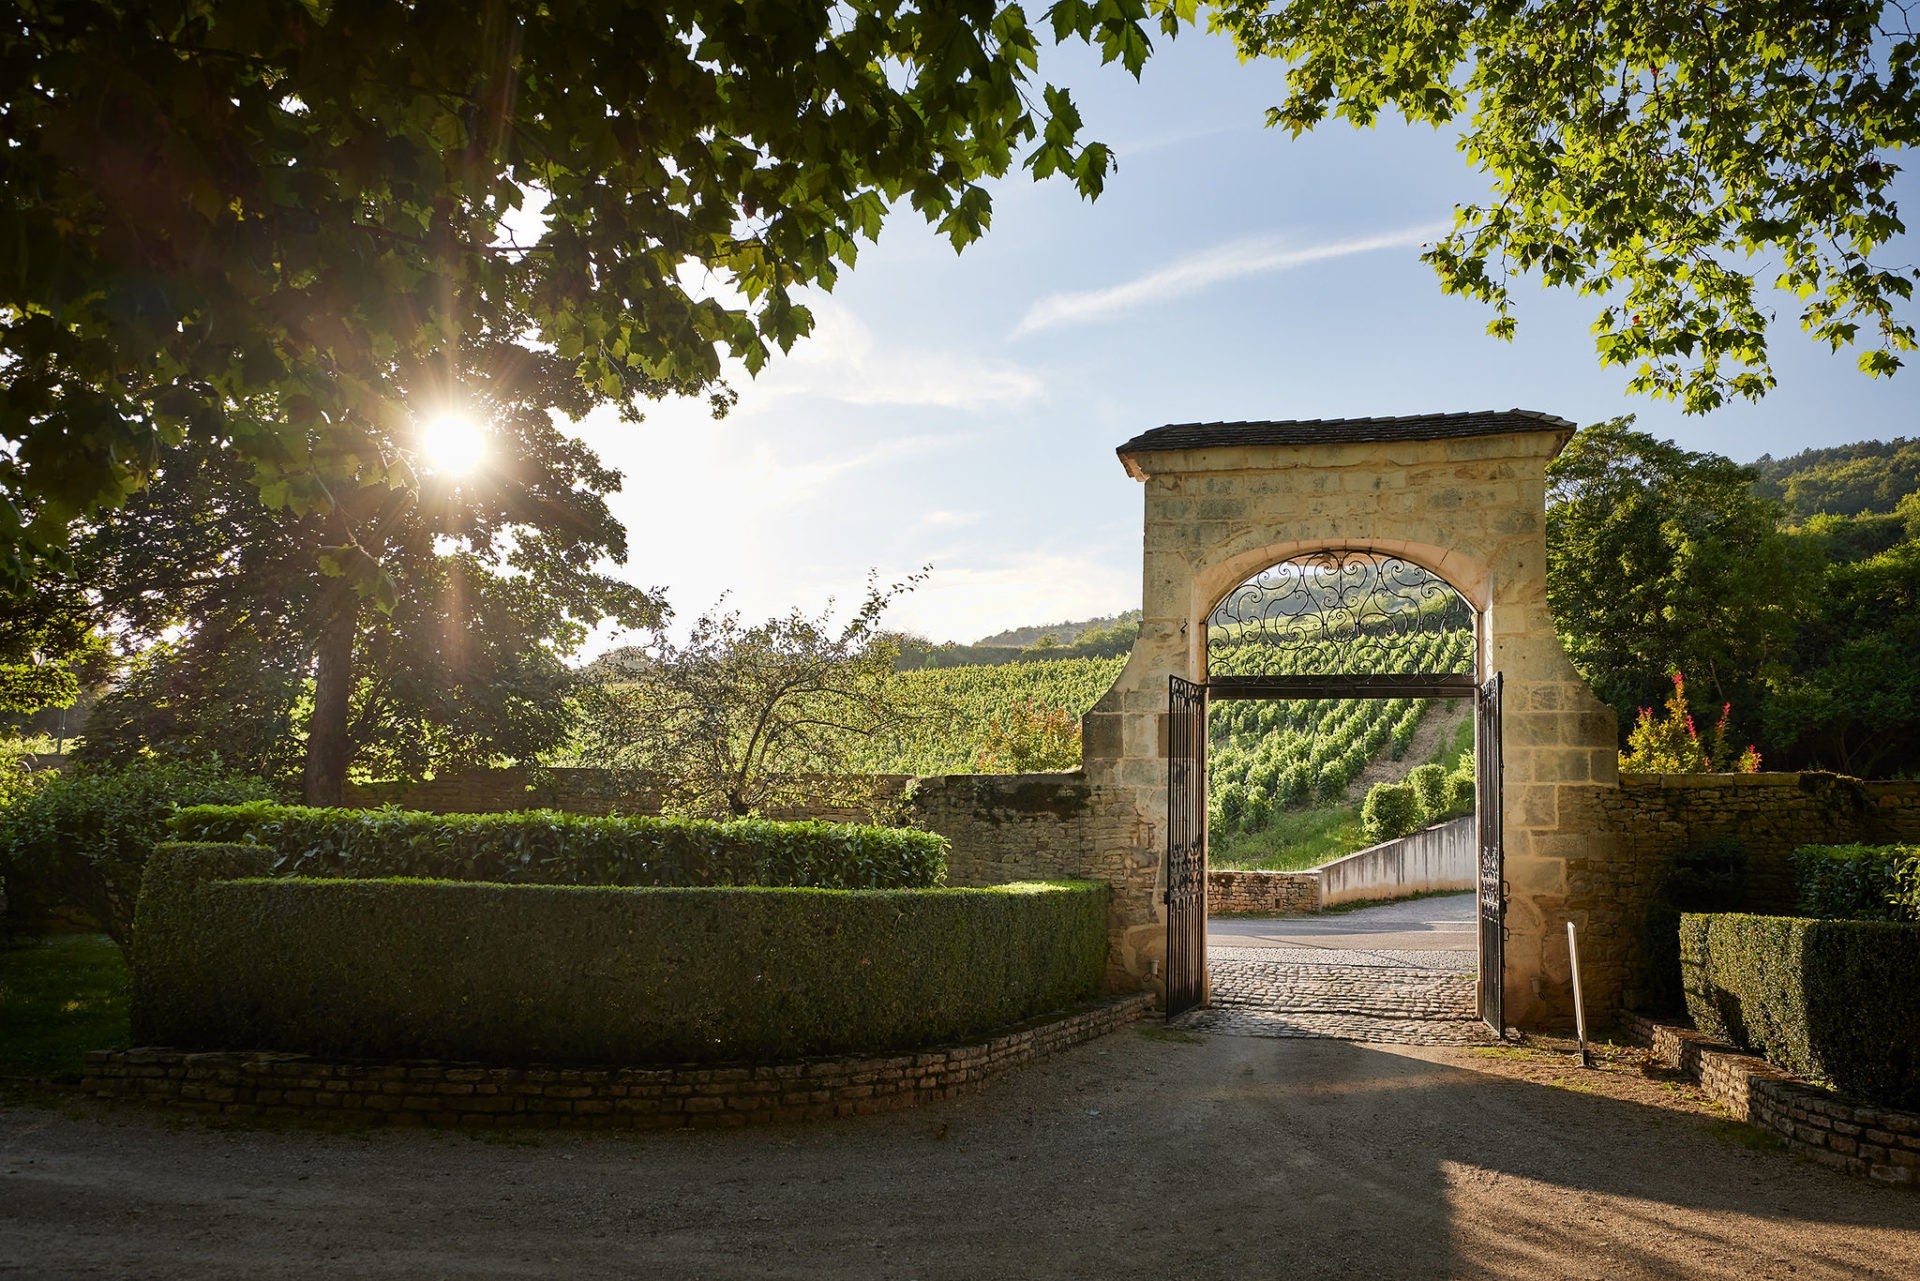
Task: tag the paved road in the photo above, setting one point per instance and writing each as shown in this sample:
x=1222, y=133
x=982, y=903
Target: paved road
x=1132, y=1157
x=1441, y=924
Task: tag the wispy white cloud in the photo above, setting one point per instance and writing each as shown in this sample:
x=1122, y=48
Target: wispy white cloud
x=968, y=597
x=949, y=519
x=1255, y=256
x=841, y=360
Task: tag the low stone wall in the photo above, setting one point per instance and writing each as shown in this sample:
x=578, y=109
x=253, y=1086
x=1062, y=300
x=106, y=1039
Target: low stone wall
x=466, y=1094
x=1770, y=814
x=1880, y=1143
x=1440, y=857
x=1231, y=893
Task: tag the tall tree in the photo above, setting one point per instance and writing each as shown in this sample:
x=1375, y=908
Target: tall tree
x=268, y=655
x=1661, y=559
x=295, y=227
x=1851, y=700
x=1666, y=157
x=47, y=649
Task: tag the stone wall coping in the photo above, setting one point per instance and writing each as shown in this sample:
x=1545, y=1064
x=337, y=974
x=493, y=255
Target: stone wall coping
x=1870, y=1140
x=443, y=1093
x=1802, y=778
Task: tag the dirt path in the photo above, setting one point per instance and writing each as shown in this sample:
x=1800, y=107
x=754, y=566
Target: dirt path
x=1136, y=1156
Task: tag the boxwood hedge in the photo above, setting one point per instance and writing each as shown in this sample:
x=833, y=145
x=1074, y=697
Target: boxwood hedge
x=226, y=958
x=1833, y=1000
x=1858, y=882
x=550, y=848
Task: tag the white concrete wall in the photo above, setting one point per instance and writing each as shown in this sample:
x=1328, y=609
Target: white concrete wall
x=1441, y=857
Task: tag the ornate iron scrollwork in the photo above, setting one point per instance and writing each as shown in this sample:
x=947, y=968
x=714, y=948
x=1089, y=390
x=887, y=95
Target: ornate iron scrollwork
x=1340, y=613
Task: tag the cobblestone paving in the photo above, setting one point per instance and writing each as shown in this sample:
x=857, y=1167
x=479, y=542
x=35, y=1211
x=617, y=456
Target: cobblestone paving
x=1384, y=958
x=1414, y=998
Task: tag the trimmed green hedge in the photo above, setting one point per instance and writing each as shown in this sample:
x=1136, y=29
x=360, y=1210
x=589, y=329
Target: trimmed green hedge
x=1833, y=1000
x=227, y=959
x=550, y=848
x=1855, y=882
x=1709, y=877
x=82, y=838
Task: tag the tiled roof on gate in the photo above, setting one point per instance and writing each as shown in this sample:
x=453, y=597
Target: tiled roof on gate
x=1323, y=431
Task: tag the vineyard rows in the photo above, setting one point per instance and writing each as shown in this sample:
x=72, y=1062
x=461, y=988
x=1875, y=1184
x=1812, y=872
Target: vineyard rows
x=1267, y=756
x=955, y=707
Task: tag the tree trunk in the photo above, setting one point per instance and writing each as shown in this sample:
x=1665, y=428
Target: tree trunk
x=327, y=747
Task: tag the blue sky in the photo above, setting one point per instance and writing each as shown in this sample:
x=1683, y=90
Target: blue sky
x=962, y=410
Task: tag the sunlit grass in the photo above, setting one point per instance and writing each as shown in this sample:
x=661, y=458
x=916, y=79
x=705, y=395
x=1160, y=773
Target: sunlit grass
x=60, y=997
x=1297, y=840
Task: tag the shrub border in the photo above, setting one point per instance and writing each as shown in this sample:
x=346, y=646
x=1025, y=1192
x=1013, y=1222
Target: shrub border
x=703, y=973
x=443, y=1094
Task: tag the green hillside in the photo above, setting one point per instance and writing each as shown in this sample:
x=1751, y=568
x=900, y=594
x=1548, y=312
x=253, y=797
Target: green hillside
x=1867, y=477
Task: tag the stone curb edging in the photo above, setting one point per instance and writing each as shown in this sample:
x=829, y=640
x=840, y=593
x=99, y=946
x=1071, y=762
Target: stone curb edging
x=1874, y=1142
x=435, y=1093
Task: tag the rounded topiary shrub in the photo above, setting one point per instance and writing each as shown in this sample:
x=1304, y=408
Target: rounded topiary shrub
x=1391, y=810
x=1429, y=784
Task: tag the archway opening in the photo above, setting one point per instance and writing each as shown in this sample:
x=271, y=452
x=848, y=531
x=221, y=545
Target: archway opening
x=1342, y=803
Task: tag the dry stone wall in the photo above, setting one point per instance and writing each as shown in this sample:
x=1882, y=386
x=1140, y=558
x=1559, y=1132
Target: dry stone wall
x=433, y=1093
x=1232, y=893
x=1880, y=1143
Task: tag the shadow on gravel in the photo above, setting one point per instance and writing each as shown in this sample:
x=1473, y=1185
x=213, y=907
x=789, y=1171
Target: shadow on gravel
x=1143, y=1155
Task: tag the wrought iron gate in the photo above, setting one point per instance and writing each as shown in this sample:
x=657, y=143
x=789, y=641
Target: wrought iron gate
x=1493, y=886
x=1186, y=845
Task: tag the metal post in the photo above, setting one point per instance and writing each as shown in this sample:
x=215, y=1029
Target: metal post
x=1579, y=1006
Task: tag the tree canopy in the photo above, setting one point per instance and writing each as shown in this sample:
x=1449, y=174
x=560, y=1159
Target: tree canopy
x=1660, y=559
x=1672, y=159
x=298, y=227
x=494, y=577
x=1844, y=480
x=740, y=718
x=1665, y=564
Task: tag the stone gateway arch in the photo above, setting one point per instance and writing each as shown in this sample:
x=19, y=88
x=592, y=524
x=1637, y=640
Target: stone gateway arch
x=1457, y=499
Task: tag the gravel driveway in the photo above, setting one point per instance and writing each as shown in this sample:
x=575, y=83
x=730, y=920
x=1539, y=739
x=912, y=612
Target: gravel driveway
x=1146, y=1154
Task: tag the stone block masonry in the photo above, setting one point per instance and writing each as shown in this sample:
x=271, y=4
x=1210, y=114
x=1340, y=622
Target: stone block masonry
x=1231, y=893
x=1462, y=496
x=1879, y=1143
x=428, y=1093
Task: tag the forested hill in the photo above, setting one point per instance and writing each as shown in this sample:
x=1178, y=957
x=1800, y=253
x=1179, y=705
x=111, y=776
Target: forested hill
x=1870, y=476
x=1093, y=638
x=1064, y=633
